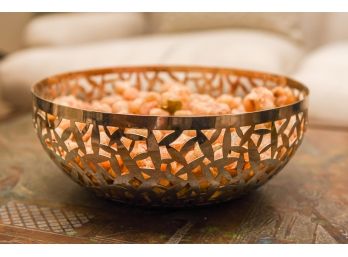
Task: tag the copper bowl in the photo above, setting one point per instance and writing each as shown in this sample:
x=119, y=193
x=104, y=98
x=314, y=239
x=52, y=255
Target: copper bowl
x=257, y=145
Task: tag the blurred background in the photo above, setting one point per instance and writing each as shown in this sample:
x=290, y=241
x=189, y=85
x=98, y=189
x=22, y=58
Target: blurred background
x=310, y=47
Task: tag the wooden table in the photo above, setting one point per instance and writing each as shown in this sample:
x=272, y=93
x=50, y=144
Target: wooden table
x=306, y=203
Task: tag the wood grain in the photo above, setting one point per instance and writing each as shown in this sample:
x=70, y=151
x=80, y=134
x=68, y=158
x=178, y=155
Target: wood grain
x=306, y=203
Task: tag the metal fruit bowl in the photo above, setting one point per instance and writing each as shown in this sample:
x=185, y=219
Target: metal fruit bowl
x=255, y=146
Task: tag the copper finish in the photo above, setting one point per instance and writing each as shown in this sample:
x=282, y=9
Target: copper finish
x=255, y=146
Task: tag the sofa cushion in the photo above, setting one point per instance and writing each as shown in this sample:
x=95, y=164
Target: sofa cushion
x=232, y=48
x=335, y=27
x=76, y=28
x=324, y=71
x=287, y=24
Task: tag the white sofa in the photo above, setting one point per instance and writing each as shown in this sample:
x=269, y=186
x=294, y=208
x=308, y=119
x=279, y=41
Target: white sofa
x=308, y=47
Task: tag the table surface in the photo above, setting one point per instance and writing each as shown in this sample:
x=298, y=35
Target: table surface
x=307, y=202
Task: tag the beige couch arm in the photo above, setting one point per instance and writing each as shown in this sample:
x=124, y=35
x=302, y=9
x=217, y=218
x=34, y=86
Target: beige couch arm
x=77, y=28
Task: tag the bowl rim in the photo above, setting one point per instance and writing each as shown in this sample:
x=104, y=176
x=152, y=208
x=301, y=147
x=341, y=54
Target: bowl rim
x=169, y=122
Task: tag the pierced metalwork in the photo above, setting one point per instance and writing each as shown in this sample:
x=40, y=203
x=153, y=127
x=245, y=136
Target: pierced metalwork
x=183, y=161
